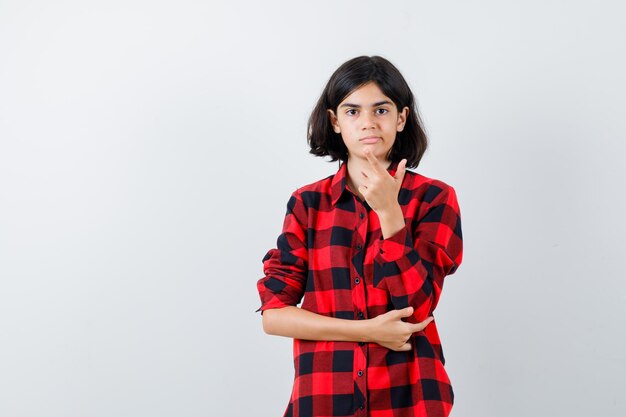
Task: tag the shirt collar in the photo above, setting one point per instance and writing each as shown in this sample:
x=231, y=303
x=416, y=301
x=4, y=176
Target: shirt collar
x=339, y=182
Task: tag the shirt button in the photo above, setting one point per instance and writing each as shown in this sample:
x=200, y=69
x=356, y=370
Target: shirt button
x=359, y=247
x=362, y=407
x=361, y=343
x=360, y=314
x=357, y=281
x=360, y=373
x=361, y=215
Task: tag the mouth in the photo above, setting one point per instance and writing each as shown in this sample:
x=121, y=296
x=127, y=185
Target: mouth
x=370, y=139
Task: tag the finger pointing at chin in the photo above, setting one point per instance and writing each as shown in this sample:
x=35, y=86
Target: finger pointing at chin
x=373, y=161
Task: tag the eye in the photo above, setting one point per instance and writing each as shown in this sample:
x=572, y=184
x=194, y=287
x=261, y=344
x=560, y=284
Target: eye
x=351, y=112
x=381, y=111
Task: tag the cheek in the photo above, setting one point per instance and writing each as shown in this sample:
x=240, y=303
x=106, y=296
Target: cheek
x=345, y=124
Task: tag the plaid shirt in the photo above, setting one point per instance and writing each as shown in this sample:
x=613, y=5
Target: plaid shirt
x=331, y=251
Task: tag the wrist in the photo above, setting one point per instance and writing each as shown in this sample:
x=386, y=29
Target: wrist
x=391, y=221
x=391, y=214
x=364, y=330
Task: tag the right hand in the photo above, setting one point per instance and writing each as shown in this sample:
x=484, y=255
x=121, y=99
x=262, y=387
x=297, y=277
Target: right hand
x=388, y=330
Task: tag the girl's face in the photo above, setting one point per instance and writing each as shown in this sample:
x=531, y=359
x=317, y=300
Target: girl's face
x=367, y=118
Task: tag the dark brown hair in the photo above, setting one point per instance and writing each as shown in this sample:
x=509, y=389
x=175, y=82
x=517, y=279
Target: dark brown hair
x=410, y=143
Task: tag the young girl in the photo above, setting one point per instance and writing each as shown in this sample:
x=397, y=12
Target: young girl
x=368, y=248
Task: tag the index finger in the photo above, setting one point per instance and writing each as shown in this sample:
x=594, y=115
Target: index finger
x=376, y=165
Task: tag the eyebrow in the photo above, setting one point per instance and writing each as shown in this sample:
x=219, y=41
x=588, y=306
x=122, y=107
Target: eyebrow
x=358, y=106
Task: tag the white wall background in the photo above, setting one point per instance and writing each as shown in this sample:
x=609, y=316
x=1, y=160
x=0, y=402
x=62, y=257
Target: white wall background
x=148, y=149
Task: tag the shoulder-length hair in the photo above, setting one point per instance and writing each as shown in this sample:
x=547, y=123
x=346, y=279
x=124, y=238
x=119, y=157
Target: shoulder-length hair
x=410, y=143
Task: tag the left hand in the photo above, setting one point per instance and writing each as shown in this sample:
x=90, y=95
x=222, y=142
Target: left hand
x=380, y=189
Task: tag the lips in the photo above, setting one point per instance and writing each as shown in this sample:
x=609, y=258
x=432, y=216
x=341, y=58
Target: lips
x=370, y=139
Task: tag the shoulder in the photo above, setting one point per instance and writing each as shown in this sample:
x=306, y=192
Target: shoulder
x=416, y=185
x=311, y=194
x=317, y=186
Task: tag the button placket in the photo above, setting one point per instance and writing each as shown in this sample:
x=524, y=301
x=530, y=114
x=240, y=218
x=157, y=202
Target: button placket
x=360, y=303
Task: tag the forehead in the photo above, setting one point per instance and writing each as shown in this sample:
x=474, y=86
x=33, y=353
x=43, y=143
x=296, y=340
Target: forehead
x=367, y=94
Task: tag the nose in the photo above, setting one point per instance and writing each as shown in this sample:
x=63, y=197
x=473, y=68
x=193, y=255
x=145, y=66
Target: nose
x=367, y=121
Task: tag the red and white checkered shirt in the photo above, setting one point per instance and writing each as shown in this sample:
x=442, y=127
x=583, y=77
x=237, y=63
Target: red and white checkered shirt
x=331, y=256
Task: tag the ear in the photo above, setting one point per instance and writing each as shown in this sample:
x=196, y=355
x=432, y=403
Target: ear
x=333, y=121
x=402, y=117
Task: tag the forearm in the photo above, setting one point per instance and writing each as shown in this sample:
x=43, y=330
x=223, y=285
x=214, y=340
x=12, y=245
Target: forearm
x=403, y=274
x=388, y=329
x=298, y=323
x=406, y=279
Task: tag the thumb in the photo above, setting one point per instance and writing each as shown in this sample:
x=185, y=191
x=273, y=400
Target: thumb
x=418, y=327
x=401, y=170
x=406, y=312
x=405, y=348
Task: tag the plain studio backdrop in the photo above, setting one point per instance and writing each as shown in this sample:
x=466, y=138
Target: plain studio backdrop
x=148, y=150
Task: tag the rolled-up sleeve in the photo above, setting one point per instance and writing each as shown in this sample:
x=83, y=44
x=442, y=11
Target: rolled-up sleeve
x=411, y=264
x=285, y=267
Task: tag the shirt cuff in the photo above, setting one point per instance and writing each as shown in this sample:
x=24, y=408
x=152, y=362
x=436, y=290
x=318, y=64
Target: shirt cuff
x=273, y=302
x=274, y=293
x=394, y=247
